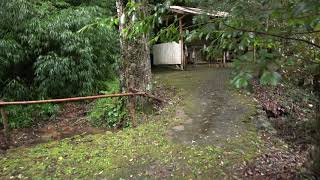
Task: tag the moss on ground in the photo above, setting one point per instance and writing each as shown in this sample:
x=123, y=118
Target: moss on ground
x=143, y=152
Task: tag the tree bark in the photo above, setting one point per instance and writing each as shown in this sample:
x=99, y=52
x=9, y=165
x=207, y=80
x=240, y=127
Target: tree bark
x=6, y=129
x=316, y=151
x=136, y=65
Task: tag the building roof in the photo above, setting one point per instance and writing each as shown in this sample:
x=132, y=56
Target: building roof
x=197, y=11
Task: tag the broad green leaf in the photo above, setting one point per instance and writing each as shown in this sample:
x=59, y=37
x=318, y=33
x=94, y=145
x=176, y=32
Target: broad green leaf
x=270, y=78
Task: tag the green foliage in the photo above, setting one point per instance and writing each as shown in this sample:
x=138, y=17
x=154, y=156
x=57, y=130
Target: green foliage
x=109, y=112
x=270, y=32
x=45, y=56
x=271, y=78
x=169, y=34
x=142, y=18
x=26, y=116
x=242, y=80
x=42, y=54
x=269, y=27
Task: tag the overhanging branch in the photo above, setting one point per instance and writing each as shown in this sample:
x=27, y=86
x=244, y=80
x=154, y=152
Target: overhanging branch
x=277, y=35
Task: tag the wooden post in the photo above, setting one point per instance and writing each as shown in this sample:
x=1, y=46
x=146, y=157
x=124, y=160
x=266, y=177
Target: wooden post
x=183, y=63
x=6, y=129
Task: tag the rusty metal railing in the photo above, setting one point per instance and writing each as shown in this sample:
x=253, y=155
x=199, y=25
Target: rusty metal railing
x=5, y=119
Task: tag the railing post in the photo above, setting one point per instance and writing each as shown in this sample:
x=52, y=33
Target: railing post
x=5, y=122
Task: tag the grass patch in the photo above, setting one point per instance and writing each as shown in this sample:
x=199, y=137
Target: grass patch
x=144, y=152
x=132, y=152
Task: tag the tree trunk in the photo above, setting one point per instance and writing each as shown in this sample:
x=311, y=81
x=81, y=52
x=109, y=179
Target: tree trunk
x=6, y=128
x=316, y=151
x=136, y=65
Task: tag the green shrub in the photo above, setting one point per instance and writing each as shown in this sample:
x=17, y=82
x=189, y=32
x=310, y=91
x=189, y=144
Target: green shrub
x=26, y=116
x=42, y=54
x=109, y=112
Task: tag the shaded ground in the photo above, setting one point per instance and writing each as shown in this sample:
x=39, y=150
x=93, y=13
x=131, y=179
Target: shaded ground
x=291, y=111
x=70, y=121
x=212, y=114
x=204, y=133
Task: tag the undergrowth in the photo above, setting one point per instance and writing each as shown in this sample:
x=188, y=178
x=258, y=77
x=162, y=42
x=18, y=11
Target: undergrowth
x=27, y=116
x=109, y=112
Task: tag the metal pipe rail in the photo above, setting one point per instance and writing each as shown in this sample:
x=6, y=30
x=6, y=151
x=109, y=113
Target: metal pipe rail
x=70, y=99
x=75, y=99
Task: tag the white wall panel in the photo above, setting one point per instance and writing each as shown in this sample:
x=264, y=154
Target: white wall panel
x=167, y=53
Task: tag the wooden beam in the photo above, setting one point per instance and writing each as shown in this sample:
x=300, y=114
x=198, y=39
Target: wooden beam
x=183, y=63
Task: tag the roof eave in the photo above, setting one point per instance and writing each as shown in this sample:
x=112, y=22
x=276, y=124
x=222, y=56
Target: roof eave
x=197, y=11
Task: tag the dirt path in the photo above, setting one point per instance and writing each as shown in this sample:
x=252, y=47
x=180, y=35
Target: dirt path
x=211, y=114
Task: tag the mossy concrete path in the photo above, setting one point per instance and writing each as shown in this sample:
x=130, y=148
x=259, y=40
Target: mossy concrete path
x=211, y=113
x=203, y=133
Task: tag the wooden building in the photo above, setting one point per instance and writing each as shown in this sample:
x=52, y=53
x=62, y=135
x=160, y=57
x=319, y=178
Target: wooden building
x=174, y=53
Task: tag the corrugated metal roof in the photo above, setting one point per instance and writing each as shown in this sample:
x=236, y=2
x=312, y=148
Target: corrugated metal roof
x=197, y=11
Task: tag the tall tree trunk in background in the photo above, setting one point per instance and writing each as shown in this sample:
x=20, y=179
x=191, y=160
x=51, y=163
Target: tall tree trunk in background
x=136, y=65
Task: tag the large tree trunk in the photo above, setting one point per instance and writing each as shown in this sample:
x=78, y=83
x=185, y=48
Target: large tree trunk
x=316, y=151
x=136, y=65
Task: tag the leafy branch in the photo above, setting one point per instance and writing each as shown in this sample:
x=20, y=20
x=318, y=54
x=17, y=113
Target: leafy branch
x=276, y=35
